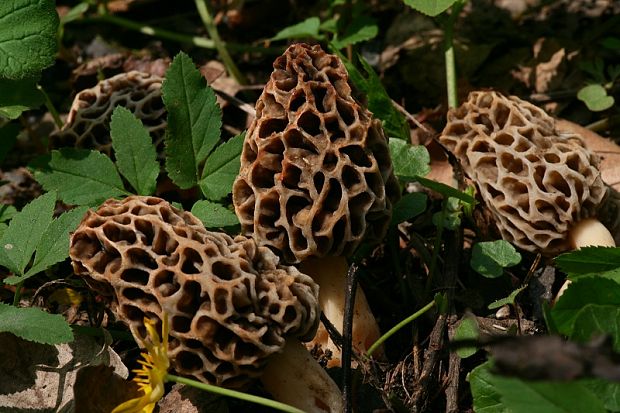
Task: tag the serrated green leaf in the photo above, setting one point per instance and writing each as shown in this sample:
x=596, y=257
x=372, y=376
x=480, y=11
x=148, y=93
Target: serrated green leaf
x=584, y=296
x=466, y=330
x=18, y=96
x=54, y=244
x=8, y=137
x=409, y=161
x=485, y=395
x=595, y=97
x=34, y=324
x=597, y=320
x=25, y=231
x=520, y=396
x=507, y=300
x=430, y=7
x=3, y=228
x=589, y=260
x=27, y=37
x=222, y=168
x=379, y=102
x=194, y=121
x=490, y=258
x=214, y=215
x=81, y=177
x=409, y=206
x=306, y=28
x=136, y=157
x=361, y=29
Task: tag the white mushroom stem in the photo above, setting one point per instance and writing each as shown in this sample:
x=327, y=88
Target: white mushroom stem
x=588, y=232
x=330, y=274
x=295, y=378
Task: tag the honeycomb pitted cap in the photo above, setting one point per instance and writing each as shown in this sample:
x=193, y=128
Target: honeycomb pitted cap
x=88, y=123
x=536, y=181
x=229, y=303
x=316, y=175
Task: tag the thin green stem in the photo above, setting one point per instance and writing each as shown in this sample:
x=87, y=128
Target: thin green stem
x=448, y=28
x=207, y=20
x=236, y=394
x=398, y=326
x=436, y=246
x=18, y=293
x=174, y=36
x=50, y=107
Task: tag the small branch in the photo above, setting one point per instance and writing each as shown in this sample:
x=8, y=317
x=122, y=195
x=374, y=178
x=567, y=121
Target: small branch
x=347, y=332
x=207, y=20
x=454, y=370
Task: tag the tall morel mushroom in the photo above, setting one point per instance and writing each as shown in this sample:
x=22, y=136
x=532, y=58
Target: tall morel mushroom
x=316, y=177
x=88, y=123
x=542, y=186
x=231, y=307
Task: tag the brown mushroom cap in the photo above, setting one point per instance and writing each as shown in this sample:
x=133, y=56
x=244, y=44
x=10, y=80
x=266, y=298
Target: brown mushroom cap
x=88, y=123
x=536, y=181
x=316, y=176
x=229, y=303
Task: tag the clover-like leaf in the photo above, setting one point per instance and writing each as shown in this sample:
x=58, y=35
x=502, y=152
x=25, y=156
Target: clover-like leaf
x=490, y=258
x=595, y=97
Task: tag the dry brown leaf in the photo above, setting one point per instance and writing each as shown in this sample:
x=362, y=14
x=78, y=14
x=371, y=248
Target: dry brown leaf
x=185, y=399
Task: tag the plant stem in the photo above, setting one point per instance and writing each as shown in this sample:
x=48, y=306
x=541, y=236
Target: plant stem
x=18, y=293
x=232, y=393
x=398, y=326
x=50, y=107
x=174, y=36
x=436, y=246
x=448, y=28
x=207, y=20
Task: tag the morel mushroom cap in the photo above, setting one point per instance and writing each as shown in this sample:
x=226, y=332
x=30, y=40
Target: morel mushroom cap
x=229, y=303
x=88, y=123
x=536, y=181
x=316, y=176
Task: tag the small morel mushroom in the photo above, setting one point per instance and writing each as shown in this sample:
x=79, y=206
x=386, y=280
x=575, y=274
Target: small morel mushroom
x=233, y=310
x=542, y=186
x=88, y=123
x=316, y=178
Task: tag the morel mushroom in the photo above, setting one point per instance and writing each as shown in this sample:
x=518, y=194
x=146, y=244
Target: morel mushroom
x=542, y=186
x=231, y=306
x=316, y=177
x=88, y=123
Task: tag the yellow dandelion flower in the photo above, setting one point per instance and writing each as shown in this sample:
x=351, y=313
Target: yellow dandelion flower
x=151, y=376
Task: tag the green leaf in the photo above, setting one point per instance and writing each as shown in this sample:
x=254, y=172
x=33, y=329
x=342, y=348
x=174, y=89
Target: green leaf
x=3, y=228
x=595, y=97
x=490, y=258
x=81, y=177
x=597, y=320
x=466, y=330
x=430, y=7
x=508, y=300
x=54, y=244
x=588, y=298
x=521, y=396
x=306, y=28
x=214, y=215
x=34, y=324
x=379, y=102
x=409, y=161
x=409, y=206
x=222, y=168
x=361, y=29
x=25, y=231
x=606, y=391
x=589, y=260
x=485, y=395
x=8, y=138
x=27, y=37
x=18, y=96
x=194, y=121
x=7, y=212
x=74, y=13
x=445, y=190
x=136, y=157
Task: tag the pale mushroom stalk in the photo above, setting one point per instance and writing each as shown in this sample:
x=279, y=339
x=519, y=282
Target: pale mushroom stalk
x=294, y=377
x=234, y=311
x=330, y=274
x=316, y=179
